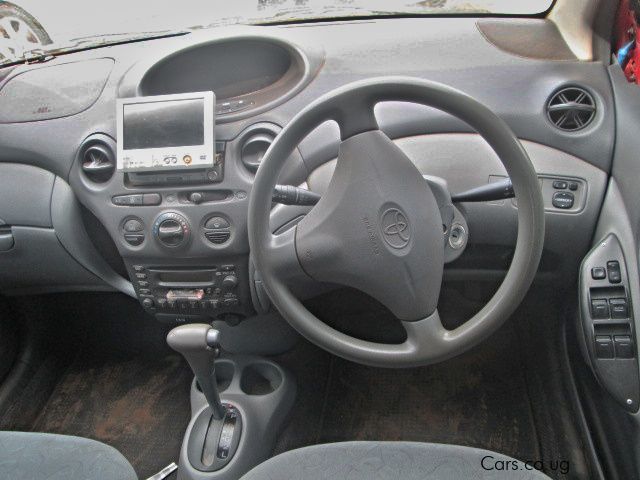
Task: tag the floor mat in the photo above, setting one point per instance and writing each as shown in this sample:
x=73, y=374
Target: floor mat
x=478, y=399
x=138, y=406
x=123, y=386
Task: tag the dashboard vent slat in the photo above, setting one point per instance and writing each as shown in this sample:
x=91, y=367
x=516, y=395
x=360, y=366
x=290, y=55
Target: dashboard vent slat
x=571, y=109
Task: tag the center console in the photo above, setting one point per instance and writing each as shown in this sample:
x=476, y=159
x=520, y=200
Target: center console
x=174, y=205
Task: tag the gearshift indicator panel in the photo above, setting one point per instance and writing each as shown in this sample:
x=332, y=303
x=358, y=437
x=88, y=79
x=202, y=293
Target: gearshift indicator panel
x=226, y=435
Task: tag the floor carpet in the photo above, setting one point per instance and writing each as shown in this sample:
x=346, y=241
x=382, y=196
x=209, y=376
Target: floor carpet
x=139, y=406
x=479, y=399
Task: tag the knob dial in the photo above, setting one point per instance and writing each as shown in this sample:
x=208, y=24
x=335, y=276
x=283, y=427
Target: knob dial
x=148, y=302
x=229, y=282
x=172, y=229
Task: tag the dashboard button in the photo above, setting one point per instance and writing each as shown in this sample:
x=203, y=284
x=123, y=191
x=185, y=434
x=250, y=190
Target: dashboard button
x=216, y=222
x=151, y=199
x=563, y=200
x=623, y=346
x=148, y=303
x=133, y=225
x=196, y=197
x=229, y=282
x=613, y=271
x=598, y=273
x=618, y=307
x=560, y=184
x=604, y=346
x=127, y=200
x=230, y=302
x=599, y=309
x=573, y=186
x=134, y=239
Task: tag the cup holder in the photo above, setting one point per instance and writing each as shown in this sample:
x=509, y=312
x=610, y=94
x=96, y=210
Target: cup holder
x=260, y=379
x=224, y=375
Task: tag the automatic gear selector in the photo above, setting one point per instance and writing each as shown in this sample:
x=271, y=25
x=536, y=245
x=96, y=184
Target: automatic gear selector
x=217, y=440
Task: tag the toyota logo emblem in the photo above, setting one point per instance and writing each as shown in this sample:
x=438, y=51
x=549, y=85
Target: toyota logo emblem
x=395, y=227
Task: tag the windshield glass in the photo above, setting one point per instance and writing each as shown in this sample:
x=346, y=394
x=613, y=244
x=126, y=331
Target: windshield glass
x=37, y=24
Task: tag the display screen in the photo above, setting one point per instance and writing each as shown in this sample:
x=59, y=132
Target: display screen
x=174, y=123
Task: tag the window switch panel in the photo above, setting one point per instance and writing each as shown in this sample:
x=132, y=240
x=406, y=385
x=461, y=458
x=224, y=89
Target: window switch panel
x=624, y=346
x=604, y=346
x=599, y=309
x=618, y=308
x=613, y=271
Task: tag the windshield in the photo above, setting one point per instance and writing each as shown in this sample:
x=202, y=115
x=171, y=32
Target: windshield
x=36, y=24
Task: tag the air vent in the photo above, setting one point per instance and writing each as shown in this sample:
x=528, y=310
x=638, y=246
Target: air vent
x=253, y=142
x=571, y=109
x=97, y=161
x=254, y=149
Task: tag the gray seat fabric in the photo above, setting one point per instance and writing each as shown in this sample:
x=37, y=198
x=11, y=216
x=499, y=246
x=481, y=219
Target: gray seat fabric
x=391, y=461
x=43, y=456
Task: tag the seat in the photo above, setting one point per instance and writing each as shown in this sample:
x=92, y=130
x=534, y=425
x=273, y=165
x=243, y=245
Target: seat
x=40, y=456
x=391, y=461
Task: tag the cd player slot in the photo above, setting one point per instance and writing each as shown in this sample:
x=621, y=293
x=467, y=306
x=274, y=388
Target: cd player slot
x=183, y=278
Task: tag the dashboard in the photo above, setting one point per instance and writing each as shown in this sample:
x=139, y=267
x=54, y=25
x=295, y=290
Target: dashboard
x=176, y=239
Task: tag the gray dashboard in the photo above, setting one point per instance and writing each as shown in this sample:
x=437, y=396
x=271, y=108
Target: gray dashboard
x=262, y=77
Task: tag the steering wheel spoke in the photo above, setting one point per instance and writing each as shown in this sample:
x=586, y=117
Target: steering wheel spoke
x=282, y=255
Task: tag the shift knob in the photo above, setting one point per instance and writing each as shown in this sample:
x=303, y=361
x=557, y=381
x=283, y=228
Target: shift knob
x=199, y=344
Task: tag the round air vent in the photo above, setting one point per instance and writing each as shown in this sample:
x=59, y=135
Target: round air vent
x=97, y=160
x=254, y=142
x=254, y=149
x=571, y=109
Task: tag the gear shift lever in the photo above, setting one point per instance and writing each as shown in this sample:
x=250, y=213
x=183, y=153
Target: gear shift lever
x=199, y=344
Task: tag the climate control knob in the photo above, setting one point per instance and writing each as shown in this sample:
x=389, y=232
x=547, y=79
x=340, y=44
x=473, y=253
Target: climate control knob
x=171, y=229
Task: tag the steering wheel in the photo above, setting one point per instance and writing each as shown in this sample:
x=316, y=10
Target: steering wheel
x=377, y=227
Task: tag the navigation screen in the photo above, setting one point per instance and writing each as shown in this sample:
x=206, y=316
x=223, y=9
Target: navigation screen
x=174, y=123
x=166, y=132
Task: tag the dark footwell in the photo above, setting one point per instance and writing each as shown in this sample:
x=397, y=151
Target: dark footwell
x=139, y=406
x=107, y=375
x=478, y=399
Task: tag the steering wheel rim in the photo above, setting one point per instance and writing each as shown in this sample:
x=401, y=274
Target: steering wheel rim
x=352, y=107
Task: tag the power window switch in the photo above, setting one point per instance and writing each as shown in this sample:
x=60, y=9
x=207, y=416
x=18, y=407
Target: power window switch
x=599, y=309
x=623, y=346
x=618, y=307
x=598, y=273
x=613, y=271
x=604, y=346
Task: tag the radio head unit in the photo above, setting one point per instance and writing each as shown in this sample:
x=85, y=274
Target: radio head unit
x=166, y=132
